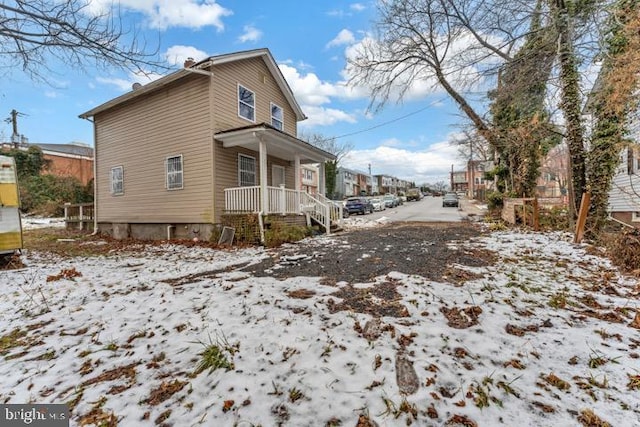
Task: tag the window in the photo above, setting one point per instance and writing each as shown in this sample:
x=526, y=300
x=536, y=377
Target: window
x=277, y=117
x=307, y=174
x=246, y=103
x=635, y=216
x=174, y=172
x=246, y=170
x=117, y=180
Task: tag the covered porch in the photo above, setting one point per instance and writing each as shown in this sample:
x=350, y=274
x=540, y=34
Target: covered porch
x=285, y=198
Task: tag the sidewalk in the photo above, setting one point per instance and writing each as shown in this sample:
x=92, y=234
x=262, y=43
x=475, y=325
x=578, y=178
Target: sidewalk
x=473, y=208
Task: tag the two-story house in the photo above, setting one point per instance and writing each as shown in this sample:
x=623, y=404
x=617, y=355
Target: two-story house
x=215, y=138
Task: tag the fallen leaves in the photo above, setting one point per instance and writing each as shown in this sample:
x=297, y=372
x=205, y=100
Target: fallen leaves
x=65, y=273
x=164, y=392
x=461, y=318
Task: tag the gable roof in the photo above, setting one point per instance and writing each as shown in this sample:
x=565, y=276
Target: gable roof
x=206, y=66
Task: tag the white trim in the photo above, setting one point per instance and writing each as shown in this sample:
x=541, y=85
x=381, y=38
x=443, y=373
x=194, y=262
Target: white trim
x=255, y=171
x=273, y=118
x=113, y=191
x=244, y=103
x=180, y=173
x=635, y=216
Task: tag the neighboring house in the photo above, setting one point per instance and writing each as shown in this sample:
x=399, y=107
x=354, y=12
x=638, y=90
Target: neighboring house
x=624, y=197
x=459, y=181
x=309, y=178
x=178, y=156
x=346, y=183
x=74, y=159
x=553, y=178
x=386, y=184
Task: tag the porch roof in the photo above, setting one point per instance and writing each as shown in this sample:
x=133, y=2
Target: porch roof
x=279, y=144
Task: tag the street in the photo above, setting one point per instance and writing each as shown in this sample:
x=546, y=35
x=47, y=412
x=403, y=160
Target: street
x=429, y=209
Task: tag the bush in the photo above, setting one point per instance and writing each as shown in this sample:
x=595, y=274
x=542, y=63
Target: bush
x=624, y=249
x=46, y=194
x=280, y=233
x=495, y=200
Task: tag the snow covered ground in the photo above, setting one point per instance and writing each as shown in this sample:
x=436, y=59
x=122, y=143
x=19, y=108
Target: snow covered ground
x=545, y=337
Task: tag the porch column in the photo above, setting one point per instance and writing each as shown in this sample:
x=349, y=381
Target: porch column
x=264, y=196
x=298, y=179
x=321, y=182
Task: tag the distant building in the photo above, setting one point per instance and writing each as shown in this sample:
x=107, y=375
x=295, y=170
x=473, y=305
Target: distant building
x=74, y=159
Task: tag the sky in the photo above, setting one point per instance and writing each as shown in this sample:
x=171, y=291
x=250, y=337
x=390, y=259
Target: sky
x=407, y=139
x=541, y=337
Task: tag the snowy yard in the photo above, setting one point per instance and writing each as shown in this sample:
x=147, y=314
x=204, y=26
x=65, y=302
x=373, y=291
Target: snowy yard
x=546, y=336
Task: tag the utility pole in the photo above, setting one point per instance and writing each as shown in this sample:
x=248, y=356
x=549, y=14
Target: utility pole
x=15, y=136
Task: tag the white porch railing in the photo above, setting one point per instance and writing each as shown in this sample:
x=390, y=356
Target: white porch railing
x=282, y=201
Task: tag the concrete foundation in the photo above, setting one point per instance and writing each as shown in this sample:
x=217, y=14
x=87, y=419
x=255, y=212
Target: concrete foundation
x=157, y=231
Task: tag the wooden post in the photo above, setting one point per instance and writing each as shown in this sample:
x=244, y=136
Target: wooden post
x=536, y=215
x=582, y=217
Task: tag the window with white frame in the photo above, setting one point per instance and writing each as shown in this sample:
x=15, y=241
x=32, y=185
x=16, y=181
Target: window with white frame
x=246, y=170
x=307, y=174
x=246, y=103
x=117, y=180
x=277, y=117
x=174, y=173
x=635, y=216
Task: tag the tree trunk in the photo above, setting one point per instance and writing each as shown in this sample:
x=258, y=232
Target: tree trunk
x=571, y=107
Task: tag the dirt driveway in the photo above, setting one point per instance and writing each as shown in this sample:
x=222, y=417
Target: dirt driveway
x=425, y=249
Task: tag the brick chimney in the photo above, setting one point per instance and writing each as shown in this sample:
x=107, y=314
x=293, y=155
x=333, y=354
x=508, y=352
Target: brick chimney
x=189, y=63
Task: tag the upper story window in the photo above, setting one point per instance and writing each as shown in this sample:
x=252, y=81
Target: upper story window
x=117, y=180
x=246, y=171
x=277, y=117
x=246, y=103
x=174, y=173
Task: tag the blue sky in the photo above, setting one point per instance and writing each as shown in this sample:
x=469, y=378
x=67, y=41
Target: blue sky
x=310, y=43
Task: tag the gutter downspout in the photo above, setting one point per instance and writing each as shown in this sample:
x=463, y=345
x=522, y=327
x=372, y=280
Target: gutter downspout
x=95, y=179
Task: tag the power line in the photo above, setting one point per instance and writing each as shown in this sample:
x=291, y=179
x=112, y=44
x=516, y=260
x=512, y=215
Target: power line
x=431, y=104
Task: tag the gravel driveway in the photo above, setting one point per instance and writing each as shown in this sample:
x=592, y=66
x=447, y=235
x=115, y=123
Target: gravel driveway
x=425, y=249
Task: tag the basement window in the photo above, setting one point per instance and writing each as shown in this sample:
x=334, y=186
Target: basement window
x=635, y=216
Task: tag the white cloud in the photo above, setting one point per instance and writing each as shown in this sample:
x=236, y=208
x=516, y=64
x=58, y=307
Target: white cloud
x=176, y=55
x=344, y=37
x=251, y=34
x=51, y=94
x=163, y=14
x=422, y=166
x=322, y=116
x=308, y=89
x=357, y=7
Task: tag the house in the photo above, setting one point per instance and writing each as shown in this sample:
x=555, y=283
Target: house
x=346, y=183
x=201, y=147
x=624, y=196
x=74, y=159
x=309, y=178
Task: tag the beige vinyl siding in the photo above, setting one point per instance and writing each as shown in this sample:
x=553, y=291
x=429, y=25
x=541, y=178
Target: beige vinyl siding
x=227, y=171
x=254, y=75
x=139, y=136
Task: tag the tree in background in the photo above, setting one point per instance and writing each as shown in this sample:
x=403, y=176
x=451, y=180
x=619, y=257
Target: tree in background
x=35, y=32
x=330, y=145
x=42, y=193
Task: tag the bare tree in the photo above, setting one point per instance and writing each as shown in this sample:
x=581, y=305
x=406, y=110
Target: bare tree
x=35, y=32
x=330, y=145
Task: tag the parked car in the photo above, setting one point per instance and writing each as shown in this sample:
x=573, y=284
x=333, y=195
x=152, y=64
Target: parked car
x=390, y=200
x=359, y=205
x=450, y=200
x=378, y=204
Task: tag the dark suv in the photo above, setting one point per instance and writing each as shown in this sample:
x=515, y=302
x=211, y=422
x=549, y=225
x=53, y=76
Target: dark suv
x=359, y=205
